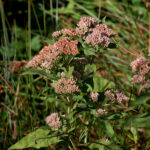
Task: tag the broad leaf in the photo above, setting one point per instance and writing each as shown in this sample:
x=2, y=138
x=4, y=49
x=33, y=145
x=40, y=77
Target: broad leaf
x=89, y=52
x=35, y=43
x=37, y=139
x=101, y=84
x=90, y=68
x=140, y=100
x=140, y=120
x=103, y=144
x=109, y=129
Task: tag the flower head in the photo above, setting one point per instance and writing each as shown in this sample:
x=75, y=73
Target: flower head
x=65, y=85
x=46, y=57
x=84, y=25
x=100, y=112
x=121, y=97
x=136, y=64
x=110, y=95
x=94, y=96
x=67, y=46
x=138, y=79
x=53, y=121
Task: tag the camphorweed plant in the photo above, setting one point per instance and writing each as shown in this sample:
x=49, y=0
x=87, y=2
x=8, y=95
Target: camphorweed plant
x=89, y=112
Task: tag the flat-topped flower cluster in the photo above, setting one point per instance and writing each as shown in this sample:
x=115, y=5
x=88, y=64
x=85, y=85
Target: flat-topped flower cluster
x=142, y=66
x=88, y=29
x=65, y=85
x=53, y=120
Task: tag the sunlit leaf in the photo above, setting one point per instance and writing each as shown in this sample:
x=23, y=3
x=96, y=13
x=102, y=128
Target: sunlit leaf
x=37, y=139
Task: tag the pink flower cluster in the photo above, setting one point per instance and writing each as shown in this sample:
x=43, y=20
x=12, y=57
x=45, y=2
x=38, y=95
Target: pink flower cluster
x=100, y=112
x=81, y=29
x=70, y=32
x=65, y=85
x=138, y=79
x=110, y=95
x=99, y=34
x=121, y=97
x=142, y=66
x=138, y=63
x=66, y=46
x=84, y=25
x=94, y=96
x=94, y=36
x=53, y=121
x=48, y=55
x=103, y=28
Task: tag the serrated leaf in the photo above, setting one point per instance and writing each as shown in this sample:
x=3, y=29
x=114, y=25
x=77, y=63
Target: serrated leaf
x=36, y=139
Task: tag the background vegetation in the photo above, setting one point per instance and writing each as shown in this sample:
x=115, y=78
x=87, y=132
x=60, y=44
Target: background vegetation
x=26, y=26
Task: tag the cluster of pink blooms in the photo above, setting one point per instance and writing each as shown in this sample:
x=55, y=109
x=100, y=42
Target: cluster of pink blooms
x=110, y=95
x=138, y=63
x=120, y=96
x=100, y=112
x=47, y=56
x=138, y=79
x=97, y=35
x=53, y=121
x=94, y=96
x=65, y=85
x=142, y=67
x=84, y=25
x=67, y=46
x=87, y=28
x=70, y=32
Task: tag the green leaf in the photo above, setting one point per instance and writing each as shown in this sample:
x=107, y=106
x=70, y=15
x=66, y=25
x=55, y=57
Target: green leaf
x=89, y=88
x=38, y=72
x=102, y=144
x=69, y=72
x=140, y=100
x=138, y=121
x=101, y=84
x=89, y=52
x=115, y=116
x=35, y=43
x=135, y=134
x=136, y=2
x=90, y=68
x=70, y=4
x=37, y=139
x=109, y=129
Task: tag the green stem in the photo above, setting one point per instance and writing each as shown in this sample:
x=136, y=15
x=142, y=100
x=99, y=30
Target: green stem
x=36, y=17
x=29, y=30
x=44, y=17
